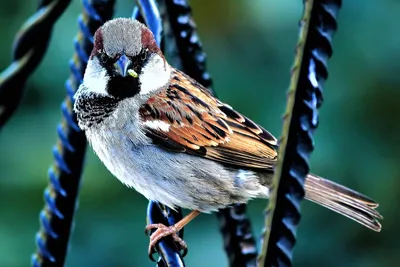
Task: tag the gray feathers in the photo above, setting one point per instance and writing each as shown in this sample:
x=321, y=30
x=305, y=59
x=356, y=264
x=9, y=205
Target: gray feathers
x=122, y=35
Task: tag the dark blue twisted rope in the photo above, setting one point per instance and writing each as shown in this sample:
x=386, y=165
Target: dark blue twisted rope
x=167, y=249
x=29, y=48
x=64, y=176
x=305, y=96
x=189, y=47
x=235, y=226
x=239, y=242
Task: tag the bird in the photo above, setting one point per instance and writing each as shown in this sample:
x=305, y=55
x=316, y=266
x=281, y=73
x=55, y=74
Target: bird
x=162, y=133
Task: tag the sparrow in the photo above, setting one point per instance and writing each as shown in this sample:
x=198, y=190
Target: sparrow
x=162, y=133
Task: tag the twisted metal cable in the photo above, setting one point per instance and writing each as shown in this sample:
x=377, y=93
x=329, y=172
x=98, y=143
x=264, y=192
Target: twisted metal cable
x=64, y=176
x=168, y=251
x=240, y=244
x=189, y=47
x=168, y=42
x=29, y=48
x=301, y=119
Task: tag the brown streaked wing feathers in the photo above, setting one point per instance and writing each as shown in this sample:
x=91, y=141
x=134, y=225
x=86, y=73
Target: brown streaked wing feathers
x=202, y=125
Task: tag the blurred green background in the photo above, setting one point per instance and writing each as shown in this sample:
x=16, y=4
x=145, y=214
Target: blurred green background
x=250, y=47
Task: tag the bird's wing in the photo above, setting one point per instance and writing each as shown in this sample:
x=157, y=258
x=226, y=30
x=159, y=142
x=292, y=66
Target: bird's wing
x=186, y=118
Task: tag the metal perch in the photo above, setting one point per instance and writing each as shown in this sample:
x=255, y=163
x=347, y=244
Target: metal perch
x=301, y=119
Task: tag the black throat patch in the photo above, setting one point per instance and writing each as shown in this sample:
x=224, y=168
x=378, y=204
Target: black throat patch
x=92, y=110
x=119, y=86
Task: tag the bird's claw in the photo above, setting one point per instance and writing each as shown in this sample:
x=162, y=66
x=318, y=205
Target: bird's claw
x=161, y=232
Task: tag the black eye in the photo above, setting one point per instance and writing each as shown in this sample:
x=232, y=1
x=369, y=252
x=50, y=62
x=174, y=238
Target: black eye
x=143, y=55
x=104, y=59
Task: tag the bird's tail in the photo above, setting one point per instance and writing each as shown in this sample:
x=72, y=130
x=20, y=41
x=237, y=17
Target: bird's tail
x=343, y=200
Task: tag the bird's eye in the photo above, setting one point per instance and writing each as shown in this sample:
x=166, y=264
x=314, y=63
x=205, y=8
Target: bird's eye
x=143, y=55
x=104, y=59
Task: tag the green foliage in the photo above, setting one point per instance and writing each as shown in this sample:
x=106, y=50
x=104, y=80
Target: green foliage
x=250, y=51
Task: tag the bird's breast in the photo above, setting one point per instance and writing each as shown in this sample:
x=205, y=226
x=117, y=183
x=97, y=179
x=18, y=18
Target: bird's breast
x=174, y=179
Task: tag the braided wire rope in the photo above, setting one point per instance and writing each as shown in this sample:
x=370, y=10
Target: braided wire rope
x=305, y=96
x=64, y=176
x=29, y=47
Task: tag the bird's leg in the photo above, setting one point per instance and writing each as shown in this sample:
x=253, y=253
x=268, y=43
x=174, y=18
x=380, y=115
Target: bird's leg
x=163, y=231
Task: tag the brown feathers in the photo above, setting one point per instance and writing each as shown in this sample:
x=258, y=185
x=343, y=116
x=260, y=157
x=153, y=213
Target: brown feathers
x=201, y=124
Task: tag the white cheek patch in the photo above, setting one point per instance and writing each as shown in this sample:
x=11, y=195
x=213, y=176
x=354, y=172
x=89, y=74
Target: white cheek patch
x=154, y=75
x=157, y=125
x=95, y=78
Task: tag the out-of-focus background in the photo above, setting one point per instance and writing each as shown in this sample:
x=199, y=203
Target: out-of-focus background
x=250, y=47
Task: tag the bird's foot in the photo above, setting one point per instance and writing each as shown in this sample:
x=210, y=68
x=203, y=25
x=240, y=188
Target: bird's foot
x=161, y=232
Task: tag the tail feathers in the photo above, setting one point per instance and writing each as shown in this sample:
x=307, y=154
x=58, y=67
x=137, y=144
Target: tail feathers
x=344, y=201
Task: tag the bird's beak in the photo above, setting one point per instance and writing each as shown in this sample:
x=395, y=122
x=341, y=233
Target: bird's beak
x=126, y=65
